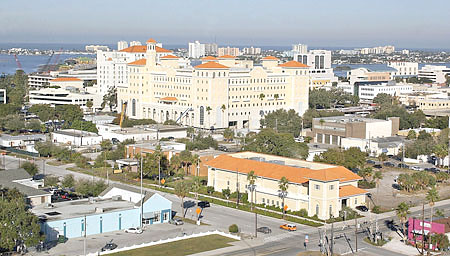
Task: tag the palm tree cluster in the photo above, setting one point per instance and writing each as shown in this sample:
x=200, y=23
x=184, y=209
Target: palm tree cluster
x=418, y=180
x=183, y=163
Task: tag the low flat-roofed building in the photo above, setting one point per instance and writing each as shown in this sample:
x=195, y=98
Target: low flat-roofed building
x=76, y=137
x=142, y=132
x=433, y=104
x=55, y=97
x=330, y=130
x=24, y=141
x=22, y=181
x=116, y=208
x=99, y=119
x=376, y=146
x=321, y=189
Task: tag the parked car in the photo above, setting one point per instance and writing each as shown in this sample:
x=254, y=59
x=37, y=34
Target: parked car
x=416, y=168
x=369, y=161
x=355, y=170
x=134, y=230
x=109, y=246
x=289, y=227
x=203, y=204
x=115, y=141
x=402, y=165
x=434, y=169
x=362, y=208
x=378, y=166
x=176, y=222
x=264, y=230
x=222, y=148
x=390, y=164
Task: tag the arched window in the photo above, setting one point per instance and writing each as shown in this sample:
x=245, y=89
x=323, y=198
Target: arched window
x=202, y=115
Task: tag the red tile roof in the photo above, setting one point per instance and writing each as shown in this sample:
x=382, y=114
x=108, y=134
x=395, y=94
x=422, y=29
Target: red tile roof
x=277, y=171
x=211, y=65
x=170, y=57
x=140, y=62
x=227, y=57
x=169, y=99
x=135, y=49
x=349, y=190
x=160, y=49
x=270, y=58
x=293, y=64
x=151, y=40
x=209, y=58
x=66, y=79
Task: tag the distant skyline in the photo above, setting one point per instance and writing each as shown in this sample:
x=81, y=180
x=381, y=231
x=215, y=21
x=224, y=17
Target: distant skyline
x=347, y=23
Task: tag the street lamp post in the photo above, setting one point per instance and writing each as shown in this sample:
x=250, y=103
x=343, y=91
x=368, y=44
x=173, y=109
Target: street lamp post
x=282, y=194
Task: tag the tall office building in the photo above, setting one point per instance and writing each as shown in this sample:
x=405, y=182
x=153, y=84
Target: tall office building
x=196, y=50
x=233, y=51
x=211, y=49
x=221, y=92
x=251, y=51
x=319, y=62
x=300, y=48
x=122, y=45
x=134, y=43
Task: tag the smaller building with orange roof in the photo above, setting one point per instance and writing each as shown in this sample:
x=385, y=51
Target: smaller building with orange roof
x=321, y=189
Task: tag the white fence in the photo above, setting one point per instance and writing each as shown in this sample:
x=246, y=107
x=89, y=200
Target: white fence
x=178, y=238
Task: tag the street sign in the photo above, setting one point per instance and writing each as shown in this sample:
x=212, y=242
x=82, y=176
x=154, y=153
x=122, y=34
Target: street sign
x=198, y=211
x=163, y=181
x=285, y=207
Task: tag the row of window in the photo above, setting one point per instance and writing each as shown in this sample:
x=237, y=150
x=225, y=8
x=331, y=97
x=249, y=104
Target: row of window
x=256, y=88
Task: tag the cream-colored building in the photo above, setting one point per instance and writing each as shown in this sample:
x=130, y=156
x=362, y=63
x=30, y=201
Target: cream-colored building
x=221, y=92
x=321, y=189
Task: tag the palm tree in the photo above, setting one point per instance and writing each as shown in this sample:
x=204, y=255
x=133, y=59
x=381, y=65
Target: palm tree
x=208, y=110
x=196, y=161
x=182, y=190
x=261, y=97
x=251, y=177
x=432, y=197
x=276, y=96
x=402, y=212
x=283, y=185
x=441, y=151
x=223, y=108
x=196, y=185
x=378, y=176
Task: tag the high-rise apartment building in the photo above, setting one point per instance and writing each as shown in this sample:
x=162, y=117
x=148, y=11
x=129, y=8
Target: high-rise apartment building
x=211, y=49
x=233, y=51
x=196, y=50
x=122, y=45
x=404, y=68
x=300, y=48
x=134, y=43
x=221, y=92
x=251, y=51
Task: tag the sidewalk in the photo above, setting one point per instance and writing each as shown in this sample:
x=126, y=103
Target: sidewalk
x=396, y=245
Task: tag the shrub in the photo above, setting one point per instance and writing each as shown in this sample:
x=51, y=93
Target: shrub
x=31, y=168
x=233, y=228
x=376, y=209
x=366, y=184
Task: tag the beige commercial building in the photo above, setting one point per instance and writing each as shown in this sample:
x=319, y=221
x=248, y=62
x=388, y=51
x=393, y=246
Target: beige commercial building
x=321, y=189
x=221, y=92
x=330, y=130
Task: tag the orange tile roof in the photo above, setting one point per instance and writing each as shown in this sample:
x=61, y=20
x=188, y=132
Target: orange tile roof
x=135, y=49
x=170, y=57
x=66, y=79
x=276, y=171
x=334, y=173
x=211, y=65
x=209, y=58
x=160, y=49
x=151, y=40
x=169, y=99
x=349, y=190
x=227, y=57
x=293, y=64
x=140, y=62
x=270, y=58
x=109, y=59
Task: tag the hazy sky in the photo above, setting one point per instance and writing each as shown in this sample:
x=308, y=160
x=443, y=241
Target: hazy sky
x=403, y=23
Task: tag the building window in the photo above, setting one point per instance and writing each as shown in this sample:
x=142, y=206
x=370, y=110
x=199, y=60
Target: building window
x=263, y=200
x=273, y=202
x=166, y=216
x=317, y=209
x=133, y=108
x=331, y=187
x=278, y=203
x=356, y=201
x=317, y=187
x=157, y=217
x=331, y=210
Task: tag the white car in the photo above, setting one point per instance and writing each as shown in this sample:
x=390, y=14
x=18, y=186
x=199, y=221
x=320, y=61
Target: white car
x=134, y=230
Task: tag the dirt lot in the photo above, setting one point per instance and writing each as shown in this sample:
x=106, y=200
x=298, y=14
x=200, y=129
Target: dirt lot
x=389, y=197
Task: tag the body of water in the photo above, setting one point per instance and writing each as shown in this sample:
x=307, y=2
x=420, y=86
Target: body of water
x=30, y=63
x=376, y=67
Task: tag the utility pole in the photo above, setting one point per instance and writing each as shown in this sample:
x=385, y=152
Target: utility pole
x=423, y=227
x=256, y=218
x=237, y=188
x=332, y=238
x=356, y=235
x=142, y=199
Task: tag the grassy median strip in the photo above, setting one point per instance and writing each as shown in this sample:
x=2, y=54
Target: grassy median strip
x=182, y=247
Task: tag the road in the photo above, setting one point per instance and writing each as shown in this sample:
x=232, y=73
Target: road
x=279, y=242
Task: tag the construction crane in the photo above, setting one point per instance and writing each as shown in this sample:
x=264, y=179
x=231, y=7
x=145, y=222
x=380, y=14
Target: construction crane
x=45, y=68
x=122, y=114
x=19, y=66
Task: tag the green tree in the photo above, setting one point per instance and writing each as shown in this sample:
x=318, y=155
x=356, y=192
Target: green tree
x=283, y=185
x=182, y=190
x=383, y=99
x=68, y=181
x=283, y=121
x=226, y=193
x=411, y=135
x=228, y=134
x=196, y=186
x=321, y=98
x=69, y=113
x=34, y=125
x=281, y=144
x=208, y=110
x=31, y=168
x=84, y=126
x=223, y=108
x=442, y=176
x=441, y=241
x=251, y=178
x=378, y=176
x=432, y=197
x=89, y=104
x=14, y=123
x=402, y=212
x=106, y=145
x=18, y=225
x=43, y=111
x=350, y=158
x=51, y=181
x=110, y=99
x=313, y=113
x=441, y=151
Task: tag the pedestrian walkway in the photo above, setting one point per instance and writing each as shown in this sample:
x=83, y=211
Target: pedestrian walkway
x=396, y=245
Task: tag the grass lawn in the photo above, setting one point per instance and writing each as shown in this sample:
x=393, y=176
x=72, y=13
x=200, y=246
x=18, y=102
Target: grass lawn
x=182, y=247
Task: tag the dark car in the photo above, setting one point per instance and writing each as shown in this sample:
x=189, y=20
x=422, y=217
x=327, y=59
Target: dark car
x=115, y=141
x=432, y=169
x=355, y=170
x=264, y=230
x=109, y=247
x=370, y=161
x=389, y=164
x=222, y=148
x=176, y=222
x=203, y=204
x=401, y=165
x=362, y=208
x=378, y=166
